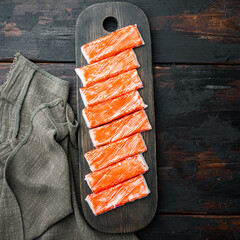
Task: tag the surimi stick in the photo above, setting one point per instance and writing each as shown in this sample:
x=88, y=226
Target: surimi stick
x=112, y=109
x=116, y=173
x=128, y=191
x=121, y=128
x=107, y=68
x=107, y=46
x=111, y=88
x=109, y=154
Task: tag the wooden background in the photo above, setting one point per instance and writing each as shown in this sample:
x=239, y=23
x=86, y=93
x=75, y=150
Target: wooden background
x=196, y=55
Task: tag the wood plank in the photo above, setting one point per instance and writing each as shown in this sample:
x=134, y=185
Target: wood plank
x=198, y=150
x=203, y=31
x=189, y=227
x=88, y=29
x=197, y=126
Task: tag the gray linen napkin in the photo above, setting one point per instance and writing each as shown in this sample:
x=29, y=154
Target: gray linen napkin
x=38, y=159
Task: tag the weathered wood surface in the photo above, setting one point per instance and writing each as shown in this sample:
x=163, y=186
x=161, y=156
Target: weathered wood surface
x=122, y=219
x=197, y=123
x=198, y=148
x=197, y=107
x=192, y=227
x=199, y=31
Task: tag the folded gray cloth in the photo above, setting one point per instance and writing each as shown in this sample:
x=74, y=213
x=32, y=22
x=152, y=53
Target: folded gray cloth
x=38, y=159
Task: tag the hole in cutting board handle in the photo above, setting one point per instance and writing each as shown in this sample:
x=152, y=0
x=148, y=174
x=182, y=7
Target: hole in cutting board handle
x=110, y=24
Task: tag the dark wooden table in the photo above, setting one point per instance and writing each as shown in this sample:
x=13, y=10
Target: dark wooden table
x=196, y=55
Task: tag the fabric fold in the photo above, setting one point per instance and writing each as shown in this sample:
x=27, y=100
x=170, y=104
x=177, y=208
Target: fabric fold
x=38, y=159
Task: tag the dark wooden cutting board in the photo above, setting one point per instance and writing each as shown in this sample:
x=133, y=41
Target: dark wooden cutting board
x=136, y=215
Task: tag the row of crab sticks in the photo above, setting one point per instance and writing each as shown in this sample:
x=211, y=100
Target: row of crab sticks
x=115, y=112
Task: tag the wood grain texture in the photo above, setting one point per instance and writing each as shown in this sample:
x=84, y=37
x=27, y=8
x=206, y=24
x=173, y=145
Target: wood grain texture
x=192, y=227
x=122, y=219
x=198, y=150
x=197, y=158
x=199, y=31
x=197, y=127
x=197, y=107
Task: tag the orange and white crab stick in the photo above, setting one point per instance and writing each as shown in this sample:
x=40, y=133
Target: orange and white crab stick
x=121, y=128
x=109, y=154
x=112, y=109
x=128, y=191
x=107, y=68
x=107, y=46
x=116, y=173
x=111, y=88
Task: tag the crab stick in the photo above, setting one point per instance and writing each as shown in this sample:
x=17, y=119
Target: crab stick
x=111, y=88
x=109, y=154
x=107, y=68
x=107, y=46
x=121, y=128
x=128, y=191
x=112, y=109
x=116, y=173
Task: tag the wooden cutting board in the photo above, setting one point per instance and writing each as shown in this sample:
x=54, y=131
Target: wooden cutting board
x=91, y=24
